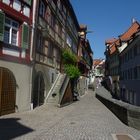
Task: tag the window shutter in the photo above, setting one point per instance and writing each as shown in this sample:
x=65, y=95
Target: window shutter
x=2, y=21
x=25, y=36
x=28, y=2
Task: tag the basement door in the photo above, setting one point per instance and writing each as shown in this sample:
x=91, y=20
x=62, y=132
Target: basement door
x=7, y=91
x=39, y=87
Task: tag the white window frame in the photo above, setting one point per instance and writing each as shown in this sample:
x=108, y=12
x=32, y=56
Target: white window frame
x=11, y=29
x=6, y=1
x=17, y=5
x=69, y=40
x=26, y=11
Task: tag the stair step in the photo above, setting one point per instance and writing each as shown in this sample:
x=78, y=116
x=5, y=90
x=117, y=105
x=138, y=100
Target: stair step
x=56, y=89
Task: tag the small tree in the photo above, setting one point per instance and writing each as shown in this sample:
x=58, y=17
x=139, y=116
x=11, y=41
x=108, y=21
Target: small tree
x=72, y=71
x=69, y=60
x=68, y=57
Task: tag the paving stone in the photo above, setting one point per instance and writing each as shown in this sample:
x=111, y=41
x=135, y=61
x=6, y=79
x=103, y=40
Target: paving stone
x=87, y=119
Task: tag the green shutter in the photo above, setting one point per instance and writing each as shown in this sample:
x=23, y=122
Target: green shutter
x=25, y=36
x=28, y=2
x=2, y=21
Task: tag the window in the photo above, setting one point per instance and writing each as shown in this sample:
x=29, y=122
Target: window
x=42, y=9
x=132, y=97
x=138, y=49
x=52, y=22
x=135, y=73
x=58, y=54
x=59, y=4
x=17, y=5
x=138, y=68
x=69, y=40
x=131, y=54
x=11, y=31
x=69, y=19
x=47, y=14
x=64, y=9
x=74, y=47
x=50, y=50
x=131, y=73
x=6, y=2
x=28, y=2
x=135, y=50
x=26, y=11
x=121, y=76
x=60, y=29
x=40, y=43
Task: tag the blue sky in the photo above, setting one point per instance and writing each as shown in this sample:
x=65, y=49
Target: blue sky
x=107, y=19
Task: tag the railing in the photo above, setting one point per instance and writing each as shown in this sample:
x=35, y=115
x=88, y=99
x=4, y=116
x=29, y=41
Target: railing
x=63, y=88
x=52, y=88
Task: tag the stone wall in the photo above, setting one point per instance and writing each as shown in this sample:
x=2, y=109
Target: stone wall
x=127, y=113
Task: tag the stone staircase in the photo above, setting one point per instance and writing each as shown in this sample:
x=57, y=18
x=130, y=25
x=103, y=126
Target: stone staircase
x=57, y=90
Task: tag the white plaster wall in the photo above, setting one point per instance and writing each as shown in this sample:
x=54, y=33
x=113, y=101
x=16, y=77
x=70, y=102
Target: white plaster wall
x=22, y=75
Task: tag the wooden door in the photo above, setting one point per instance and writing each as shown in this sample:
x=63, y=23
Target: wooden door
x=7, y=92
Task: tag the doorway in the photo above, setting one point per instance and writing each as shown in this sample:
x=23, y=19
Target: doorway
x=7, y=91
x=39, y=89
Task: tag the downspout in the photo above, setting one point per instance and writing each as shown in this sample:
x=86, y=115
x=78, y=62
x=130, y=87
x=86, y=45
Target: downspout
x=33, y=28
x=31, y=50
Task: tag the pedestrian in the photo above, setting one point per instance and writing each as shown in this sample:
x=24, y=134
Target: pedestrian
x=97, y=82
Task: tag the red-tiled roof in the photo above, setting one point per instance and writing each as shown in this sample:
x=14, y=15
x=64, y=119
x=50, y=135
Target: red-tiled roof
x=113, y=48
x=113, y=44
x=133, y=29
x=117, y=42
x=110, y=41
x=96, y=62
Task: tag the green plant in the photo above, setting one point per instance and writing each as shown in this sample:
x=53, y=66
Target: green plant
x=72, y=71
x=69, y=60
x=68, y=57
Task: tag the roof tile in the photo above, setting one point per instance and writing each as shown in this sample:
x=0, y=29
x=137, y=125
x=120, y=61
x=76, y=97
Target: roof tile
x=133, y=29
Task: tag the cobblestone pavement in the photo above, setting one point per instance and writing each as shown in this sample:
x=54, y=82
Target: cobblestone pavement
x=87, y=119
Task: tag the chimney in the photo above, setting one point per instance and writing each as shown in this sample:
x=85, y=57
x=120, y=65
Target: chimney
x=133, y=20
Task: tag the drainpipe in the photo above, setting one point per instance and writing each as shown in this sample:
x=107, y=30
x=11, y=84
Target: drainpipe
x=31, y=48
x=33, y=28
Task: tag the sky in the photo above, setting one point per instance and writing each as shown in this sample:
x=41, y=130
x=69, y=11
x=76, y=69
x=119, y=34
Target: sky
x=106, y=18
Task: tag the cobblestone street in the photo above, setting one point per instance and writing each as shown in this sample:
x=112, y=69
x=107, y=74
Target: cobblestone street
x=87, y=119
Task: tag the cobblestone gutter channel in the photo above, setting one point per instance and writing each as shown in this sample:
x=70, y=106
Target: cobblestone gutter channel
x=128, y=114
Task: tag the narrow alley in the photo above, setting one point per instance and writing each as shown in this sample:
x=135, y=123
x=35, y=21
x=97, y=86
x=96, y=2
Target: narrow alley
x=87, y=119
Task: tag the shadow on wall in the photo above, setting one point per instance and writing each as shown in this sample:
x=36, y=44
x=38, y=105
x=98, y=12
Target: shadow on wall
x=10, y=128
